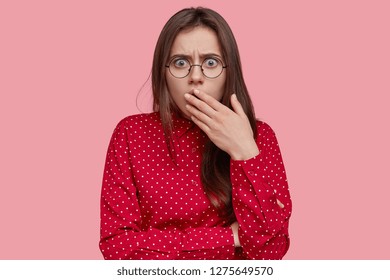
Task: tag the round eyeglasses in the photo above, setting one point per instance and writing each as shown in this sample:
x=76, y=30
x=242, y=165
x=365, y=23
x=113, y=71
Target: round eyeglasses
x=180, y=67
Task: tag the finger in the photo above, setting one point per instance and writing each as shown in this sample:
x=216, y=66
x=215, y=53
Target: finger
x=198, y=114
x=209, y=100
x=236, y=105
x=281, y=205
x=200, y=124
x=200, y=105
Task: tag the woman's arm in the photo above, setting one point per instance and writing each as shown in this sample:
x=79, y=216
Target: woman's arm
x=261, y=199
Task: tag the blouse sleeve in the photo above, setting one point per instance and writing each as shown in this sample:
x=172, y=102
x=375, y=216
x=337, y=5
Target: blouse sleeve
x=121, y=222
x=257, y=186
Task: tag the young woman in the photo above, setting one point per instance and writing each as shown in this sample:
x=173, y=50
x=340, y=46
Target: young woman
x=200, y=177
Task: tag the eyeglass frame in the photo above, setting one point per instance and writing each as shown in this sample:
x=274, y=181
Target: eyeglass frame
x=200, y=65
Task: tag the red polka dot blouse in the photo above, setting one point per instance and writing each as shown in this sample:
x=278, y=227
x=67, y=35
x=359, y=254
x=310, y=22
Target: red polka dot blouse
x=154, y=207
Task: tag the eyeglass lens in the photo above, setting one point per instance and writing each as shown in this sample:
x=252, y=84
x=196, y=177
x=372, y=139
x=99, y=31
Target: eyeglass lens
x=181, y=67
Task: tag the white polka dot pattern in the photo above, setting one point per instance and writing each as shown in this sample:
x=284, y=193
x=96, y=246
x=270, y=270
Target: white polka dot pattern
x=153, y=207
x=257, y=185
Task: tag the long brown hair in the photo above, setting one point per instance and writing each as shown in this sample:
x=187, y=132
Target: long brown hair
x=215, y=169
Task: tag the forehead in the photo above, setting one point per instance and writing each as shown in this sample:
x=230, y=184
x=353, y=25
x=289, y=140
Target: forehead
x=196, y=41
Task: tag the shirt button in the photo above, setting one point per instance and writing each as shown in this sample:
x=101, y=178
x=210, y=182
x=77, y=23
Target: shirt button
x=193, y=150
x=250, y=172
x=194, y=183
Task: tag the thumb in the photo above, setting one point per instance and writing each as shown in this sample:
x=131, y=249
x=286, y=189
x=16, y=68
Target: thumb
x=236, y=105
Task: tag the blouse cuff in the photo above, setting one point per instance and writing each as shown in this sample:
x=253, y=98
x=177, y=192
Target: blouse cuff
x=253, y=168
x=252, y=171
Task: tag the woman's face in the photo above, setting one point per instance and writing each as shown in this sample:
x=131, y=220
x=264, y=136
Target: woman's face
x=196, y=45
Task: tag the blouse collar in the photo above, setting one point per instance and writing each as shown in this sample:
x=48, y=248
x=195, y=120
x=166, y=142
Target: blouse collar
x=181, y=125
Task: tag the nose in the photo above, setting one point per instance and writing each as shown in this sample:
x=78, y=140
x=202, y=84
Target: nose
x=196, y=75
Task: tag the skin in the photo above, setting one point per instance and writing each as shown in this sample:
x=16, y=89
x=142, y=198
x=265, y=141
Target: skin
x=198, y=98
x=195, y=44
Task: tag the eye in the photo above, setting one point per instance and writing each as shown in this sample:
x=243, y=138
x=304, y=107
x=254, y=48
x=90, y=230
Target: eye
x=180, y=63
x=211, y=62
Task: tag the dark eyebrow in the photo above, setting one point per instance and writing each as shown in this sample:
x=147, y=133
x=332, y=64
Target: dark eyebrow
x=202, y=56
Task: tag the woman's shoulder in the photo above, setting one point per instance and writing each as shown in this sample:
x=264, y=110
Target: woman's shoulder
x=142, y=118
x=265, y=133
x=263, y=127
x=140, y=121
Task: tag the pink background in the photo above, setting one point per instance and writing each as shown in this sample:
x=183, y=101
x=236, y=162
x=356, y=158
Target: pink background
x=318, y=72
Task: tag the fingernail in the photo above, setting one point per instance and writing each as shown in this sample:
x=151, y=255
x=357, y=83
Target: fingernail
x=186, y=96
x=196, y=91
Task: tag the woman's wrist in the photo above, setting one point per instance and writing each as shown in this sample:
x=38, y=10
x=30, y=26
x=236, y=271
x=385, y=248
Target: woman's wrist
x=245, y=152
